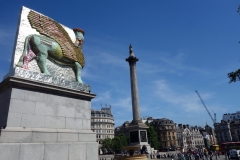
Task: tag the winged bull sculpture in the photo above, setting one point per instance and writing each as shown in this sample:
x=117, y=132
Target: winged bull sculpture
x=54, y=44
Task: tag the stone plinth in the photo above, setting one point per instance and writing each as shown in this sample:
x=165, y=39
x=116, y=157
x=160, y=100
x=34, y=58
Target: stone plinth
x=138, y=134
x=45, y=121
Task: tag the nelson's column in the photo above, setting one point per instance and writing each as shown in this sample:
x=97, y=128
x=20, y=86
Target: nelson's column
x=137, y=129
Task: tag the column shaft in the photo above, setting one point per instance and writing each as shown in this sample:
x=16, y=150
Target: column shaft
x=134, y=91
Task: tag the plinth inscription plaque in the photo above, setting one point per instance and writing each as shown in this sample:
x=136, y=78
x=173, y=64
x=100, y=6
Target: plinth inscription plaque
x=134, y=137
x=143, y=136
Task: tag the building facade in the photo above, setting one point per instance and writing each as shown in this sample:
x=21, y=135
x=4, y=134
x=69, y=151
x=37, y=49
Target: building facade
x=198, y=141
x=223, y=132
x=211, y=134
x=166, y=131
x=179, y=131
x=228, y=129
x=189, y=137
x=231, y=116
x=122, y=129
x=235, y=130
x=102, y=123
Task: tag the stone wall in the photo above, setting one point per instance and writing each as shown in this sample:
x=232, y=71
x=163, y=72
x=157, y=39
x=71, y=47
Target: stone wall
x=45, y=122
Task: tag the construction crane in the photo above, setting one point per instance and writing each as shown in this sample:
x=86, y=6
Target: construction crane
x=215, y=117
x=214, y=120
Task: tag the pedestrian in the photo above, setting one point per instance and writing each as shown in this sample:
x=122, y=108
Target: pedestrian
x=237, y=158
x=158, y=155
x=210, y=156
x=205, y=154
x=228, y=154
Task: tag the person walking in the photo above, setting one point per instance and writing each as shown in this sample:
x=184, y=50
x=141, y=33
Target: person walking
x=228, y=154
x=210, y=156
x=237, y=158
x=216, y=155
x=226, y=157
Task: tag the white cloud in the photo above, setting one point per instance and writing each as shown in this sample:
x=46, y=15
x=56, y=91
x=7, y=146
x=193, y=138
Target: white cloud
x=122, y=111
x=177, y=63
x=87, y=75
x=124, y=103
x=102, y=98
x=150, y=68
x=103, y=58
x=189, y=102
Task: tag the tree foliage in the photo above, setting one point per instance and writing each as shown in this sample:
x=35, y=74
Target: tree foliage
x=124, y=140
x=234, y=76
x=153, y=137
x=106, y=143
x=116, y=144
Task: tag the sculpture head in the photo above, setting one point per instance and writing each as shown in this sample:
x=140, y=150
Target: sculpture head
x=79, y=33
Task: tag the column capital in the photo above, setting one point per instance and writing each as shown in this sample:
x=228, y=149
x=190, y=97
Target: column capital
x=131, y=59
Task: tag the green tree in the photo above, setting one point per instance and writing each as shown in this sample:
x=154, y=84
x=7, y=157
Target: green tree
x=116, y=144
x=234, y=76
x=107, y=143
x=152, y=137
x=124, y=140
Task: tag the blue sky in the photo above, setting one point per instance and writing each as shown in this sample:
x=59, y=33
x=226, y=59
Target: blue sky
x=182, y=46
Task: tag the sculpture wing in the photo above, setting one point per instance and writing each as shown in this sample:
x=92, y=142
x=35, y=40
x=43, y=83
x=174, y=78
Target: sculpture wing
x=48, y=27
